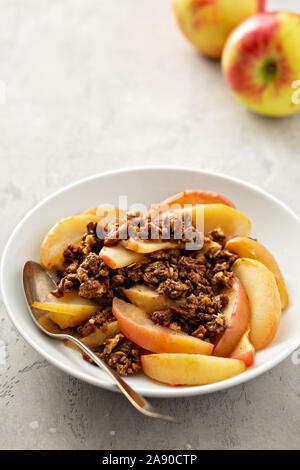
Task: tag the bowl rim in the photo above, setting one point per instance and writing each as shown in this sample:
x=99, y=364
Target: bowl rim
x=166, y=391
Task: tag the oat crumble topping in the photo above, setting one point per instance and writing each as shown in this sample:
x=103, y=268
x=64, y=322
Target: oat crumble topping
x=196, y=278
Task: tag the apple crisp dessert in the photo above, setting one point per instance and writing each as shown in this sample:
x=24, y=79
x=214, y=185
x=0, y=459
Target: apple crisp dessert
x=153, y=290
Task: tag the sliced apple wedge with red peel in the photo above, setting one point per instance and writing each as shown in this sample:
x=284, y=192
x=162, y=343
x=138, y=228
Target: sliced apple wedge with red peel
x=118, y=257
x=237, y=318
x=265, y=305
x=149, y=246
x=136, y=325
x=149, y=300
x=63, y=233
x=68, y=311
x=248, y=248
x=190, y=369
x=244, y=351
x=190, y=196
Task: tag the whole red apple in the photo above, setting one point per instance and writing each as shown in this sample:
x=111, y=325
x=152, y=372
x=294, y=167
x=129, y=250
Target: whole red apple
x=208, y=23
x=261, y=62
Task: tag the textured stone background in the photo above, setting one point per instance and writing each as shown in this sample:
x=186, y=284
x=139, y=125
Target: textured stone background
x=93, y=85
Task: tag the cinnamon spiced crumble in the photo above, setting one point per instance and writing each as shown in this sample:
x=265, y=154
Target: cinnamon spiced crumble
x=196, y=278
x=120, y=354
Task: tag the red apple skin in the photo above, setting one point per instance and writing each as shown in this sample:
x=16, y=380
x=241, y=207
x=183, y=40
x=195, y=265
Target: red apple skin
x=194, y=196
x=259, y=42
x=247, y=357
x=208, y=23
x=136, y=325
x=264, y=299
x=244, y=351
x=237, y=315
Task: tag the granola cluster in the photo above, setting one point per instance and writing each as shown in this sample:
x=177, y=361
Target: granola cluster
x=99, y=320
x=120, y=354
x=155, y=225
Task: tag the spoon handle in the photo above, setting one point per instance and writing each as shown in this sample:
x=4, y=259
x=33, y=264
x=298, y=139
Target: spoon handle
x=135, y=399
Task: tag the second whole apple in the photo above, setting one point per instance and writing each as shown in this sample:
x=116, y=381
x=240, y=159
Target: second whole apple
x=208, y=23
x=261, y=63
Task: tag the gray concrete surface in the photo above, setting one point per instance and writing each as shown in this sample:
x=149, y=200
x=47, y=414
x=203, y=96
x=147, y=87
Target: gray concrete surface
x=93, y=85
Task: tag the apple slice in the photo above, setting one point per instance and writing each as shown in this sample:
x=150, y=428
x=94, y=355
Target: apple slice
x=149, y=246
x=248, y=248
x=96, y=338
x=149, y=300
x=118, y=257
x=190, y=369
x=136, y=325
x=244, y=351
x=228, y=219
x=64, y=232
x=70, y=300
x=111, y=213
x=237, y=318
x=211, y=216
x=71, y=318
x=264, y=299
x=68, y=311
x=190, y=196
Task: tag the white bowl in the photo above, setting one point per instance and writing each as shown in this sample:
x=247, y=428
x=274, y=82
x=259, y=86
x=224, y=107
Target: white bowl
x=273, y=224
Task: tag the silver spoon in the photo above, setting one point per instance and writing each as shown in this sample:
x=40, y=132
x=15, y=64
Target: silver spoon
x=37, y=284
